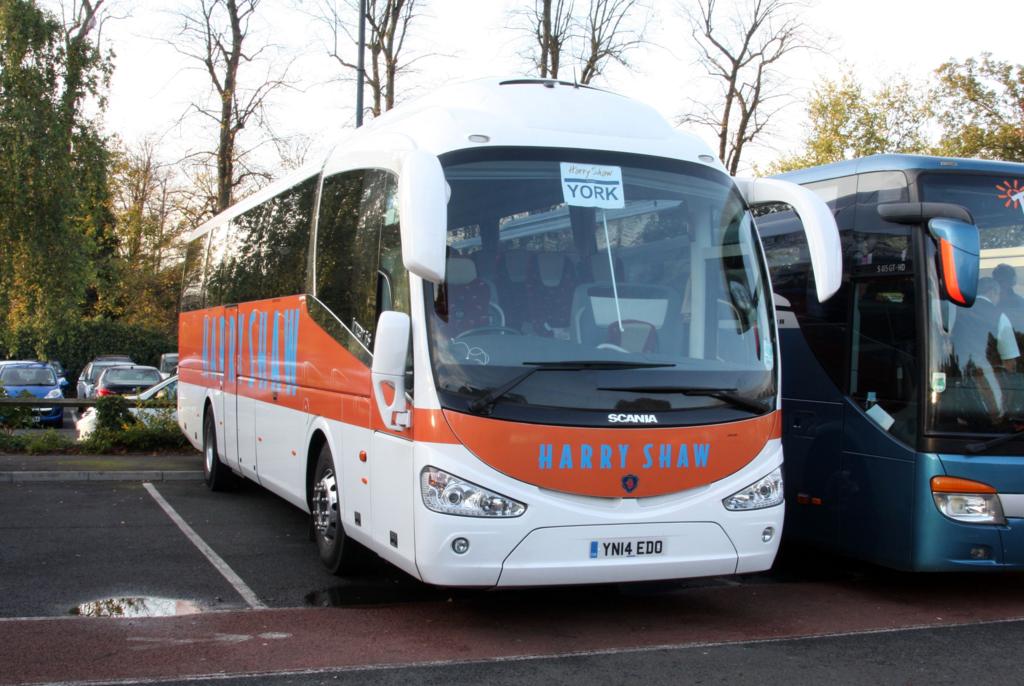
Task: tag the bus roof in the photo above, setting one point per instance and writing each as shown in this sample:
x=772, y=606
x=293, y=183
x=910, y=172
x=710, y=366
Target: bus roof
x=496, y=113
x=892, y=162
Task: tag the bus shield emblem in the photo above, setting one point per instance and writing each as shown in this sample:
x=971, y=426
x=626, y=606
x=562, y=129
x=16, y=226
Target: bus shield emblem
x=630, y=482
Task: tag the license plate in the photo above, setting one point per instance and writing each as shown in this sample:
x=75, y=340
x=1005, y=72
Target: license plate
x=626, y=547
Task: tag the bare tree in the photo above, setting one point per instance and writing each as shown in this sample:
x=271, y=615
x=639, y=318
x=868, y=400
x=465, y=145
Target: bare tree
x=741, y=51
x=608, y=30
x=216, y=33
x=607, y=37
x=388, y=23
x=549, y=23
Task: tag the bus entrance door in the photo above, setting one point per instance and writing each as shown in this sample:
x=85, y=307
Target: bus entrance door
x=230, y=410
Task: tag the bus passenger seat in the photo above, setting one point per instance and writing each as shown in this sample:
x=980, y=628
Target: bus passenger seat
x=551, y=292
x=469, y=298
x=514, y=270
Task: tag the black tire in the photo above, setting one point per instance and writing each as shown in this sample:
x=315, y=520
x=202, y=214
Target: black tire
x=218, y=475
x=339, y=553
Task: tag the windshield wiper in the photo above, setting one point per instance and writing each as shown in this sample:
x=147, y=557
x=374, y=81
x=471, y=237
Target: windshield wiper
x=484, y=402
x=726, y=395
x=985, y=445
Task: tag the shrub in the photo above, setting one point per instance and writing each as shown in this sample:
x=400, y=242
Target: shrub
x=148, y=432
x=10, y=443
x=46, y=442
x=112, y=413
x=16, y=417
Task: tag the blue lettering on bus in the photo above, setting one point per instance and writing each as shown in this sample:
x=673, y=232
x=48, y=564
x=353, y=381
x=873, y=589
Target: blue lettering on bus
x=547, y=453
x=231, y=347
x=253, y=318
x=291, y=350
x=566, y=461
x=206, y=345
x=586, y=453
x=261, y=350
x=664, y=455
x=275, y=354
x=581, y=456
x=700, y=454
x=220, y=357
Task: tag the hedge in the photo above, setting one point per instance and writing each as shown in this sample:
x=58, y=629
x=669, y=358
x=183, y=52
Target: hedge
x=79, y=342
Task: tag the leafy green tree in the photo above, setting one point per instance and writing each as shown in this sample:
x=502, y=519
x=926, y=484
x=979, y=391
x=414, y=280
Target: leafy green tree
x=53, y=190
x=981, y=108
x=844, y=122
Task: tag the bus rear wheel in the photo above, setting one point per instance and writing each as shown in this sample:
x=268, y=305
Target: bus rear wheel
x=218, y=476
x=339, y=553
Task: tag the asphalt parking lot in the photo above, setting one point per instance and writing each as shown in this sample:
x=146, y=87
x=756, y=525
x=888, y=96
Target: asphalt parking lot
x=246, y=595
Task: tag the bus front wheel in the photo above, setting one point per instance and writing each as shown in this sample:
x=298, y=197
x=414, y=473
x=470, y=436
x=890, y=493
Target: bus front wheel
x=339, y=553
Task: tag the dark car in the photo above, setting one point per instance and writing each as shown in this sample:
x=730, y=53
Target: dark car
x=126, y=379
x=86, y=387
x=39, y=380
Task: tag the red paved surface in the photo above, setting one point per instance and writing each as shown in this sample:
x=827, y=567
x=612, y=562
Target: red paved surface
x=486, y=626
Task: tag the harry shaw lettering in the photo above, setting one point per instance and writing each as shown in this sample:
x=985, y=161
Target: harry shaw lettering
x=606, y=456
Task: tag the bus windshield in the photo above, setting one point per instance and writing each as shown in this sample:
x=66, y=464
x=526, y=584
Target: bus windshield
x=974, y=354
x=642, y=292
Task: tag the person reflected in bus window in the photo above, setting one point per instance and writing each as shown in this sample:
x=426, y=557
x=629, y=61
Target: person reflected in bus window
x=984, y=352
x=1006, y=277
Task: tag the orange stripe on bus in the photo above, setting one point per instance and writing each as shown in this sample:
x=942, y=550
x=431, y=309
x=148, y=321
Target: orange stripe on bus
x=614, y=462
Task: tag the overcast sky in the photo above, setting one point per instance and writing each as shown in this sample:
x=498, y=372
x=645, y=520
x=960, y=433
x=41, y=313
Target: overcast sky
x=462, y=39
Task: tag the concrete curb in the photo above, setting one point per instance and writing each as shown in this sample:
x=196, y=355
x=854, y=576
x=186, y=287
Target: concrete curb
x=18, y=477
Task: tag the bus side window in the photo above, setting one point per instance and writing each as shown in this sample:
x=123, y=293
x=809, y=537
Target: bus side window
x=218, y=276
x=192, y=290
x=242, y=259
x=284, y=256
x=392, y=278
x=346, y=259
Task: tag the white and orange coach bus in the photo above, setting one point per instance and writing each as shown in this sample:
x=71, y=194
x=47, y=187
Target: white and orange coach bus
x=514, y=333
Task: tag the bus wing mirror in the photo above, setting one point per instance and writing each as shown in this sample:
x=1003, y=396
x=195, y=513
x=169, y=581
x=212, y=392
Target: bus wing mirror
x=818, y=222
x=959, y=254
x=390, y=350
x=423, y=215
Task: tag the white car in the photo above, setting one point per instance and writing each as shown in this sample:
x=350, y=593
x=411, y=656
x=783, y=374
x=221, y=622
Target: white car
x=165, y=390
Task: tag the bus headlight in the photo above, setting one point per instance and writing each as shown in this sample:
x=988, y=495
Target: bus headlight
x=967, y=501
x=55, y=393
x=765, y=492
x=448, y=494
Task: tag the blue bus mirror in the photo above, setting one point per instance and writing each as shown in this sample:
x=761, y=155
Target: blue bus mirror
x=958, y=258
x=62, y=382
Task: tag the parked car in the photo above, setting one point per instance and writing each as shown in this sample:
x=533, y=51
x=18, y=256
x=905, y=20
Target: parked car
x=165, y=390
x=58, y=368
x=38, y=379
x=126, y=379
x=87, y=379
x=168, y=364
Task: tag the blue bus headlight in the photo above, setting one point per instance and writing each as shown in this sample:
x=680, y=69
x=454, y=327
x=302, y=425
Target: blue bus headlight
x=967, y=501
x=765, y=492
x=448, y=494
x=973, y=508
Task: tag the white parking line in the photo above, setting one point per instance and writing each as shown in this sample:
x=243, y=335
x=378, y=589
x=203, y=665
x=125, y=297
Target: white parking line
x=215, y=559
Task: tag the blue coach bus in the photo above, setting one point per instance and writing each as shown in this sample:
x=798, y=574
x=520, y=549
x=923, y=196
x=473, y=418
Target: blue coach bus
x=903, y=398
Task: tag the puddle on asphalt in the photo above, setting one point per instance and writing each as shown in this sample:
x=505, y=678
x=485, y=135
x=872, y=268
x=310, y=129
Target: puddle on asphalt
x=136, y=606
